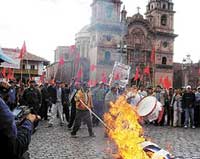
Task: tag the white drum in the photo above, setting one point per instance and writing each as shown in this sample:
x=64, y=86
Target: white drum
x=149, y=108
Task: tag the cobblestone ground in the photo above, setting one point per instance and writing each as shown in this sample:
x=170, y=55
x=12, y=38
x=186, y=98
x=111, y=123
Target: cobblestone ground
x=56, y=143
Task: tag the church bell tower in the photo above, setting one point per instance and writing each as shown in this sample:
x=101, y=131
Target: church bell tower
x=160, y=14
x=106, y=30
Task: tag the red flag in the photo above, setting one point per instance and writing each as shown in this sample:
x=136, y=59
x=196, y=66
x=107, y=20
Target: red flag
x=117, y=76
x=3, y=72
x=22, y=51
x=92, y=68
x=103, y=77
x=153, y=55
x=9, y=76
x=147, y=70
x=79, y=73
x=136, y=75
x=167, y=83
x=61, y=61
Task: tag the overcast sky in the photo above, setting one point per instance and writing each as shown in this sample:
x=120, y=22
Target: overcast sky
x=45, y=24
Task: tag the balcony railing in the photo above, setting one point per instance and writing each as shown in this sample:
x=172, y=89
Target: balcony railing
x=26, y=71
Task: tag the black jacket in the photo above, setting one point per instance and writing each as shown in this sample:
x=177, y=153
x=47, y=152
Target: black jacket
x=188, y=100
x=52, y=94
x=13, y=141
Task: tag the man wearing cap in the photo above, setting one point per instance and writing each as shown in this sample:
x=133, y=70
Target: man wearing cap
x=83, y=98
x=188, y=102
x=32, y=97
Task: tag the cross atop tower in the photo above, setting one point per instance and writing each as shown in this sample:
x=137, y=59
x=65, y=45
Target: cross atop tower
x=138, y=8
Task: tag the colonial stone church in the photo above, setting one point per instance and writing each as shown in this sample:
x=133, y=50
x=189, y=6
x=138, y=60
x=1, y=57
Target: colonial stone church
x=112, y=36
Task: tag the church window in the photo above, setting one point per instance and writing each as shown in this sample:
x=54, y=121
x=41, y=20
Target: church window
x=107, y=57
x=164, y=60
x=164, y=6
x=164, y=20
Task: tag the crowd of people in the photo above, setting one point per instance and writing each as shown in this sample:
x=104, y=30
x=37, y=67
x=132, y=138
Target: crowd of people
x=72, y=103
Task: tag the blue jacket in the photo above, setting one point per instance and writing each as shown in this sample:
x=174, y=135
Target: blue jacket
x=13, y=141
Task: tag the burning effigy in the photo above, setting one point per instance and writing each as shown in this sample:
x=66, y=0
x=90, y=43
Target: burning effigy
x=125, y=130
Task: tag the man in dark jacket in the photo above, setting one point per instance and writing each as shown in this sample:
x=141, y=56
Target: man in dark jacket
x=65, y=101
x=45, y=102
x=188, y=102
x=14, y=141
x=32, y=97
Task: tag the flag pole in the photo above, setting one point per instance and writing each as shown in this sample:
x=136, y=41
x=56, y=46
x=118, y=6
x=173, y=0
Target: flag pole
x=21, y=68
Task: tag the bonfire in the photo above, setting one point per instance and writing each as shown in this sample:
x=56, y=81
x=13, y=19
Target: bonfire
x=126, y=132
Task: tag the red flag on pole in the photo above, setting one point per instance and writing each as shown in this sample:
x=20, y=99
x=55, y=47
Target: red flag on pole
x=153, y=55
x=22, y=51
x=103, y=77
x=147, y=70
x=3, y=72
x=61, y=61
x=92, y=68
x=136, y=75
x=9, y=76
x=167, y=83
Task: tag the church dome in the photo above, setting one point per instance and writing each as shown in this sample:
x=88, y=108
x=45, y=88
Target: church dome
x=138, y=16
x=85, y=29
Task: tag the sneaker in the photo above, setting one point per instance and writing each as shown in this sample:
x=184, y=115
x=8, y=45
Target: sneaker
x=193, y=127
x=185, y=126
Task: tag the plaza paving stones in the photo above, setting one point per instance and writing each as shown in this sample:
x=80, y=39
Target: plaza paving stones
x=56, y=142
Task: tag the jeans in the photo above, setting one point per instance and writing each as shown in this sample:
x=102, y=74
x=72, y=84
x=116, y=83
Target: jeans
x=56, y=108
x=189, y=115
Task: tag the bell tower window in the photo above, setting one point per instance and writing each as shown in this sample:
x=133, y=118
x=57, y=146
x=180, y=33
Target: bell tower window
x=164, y=6
x=164, y=20
x=164, y=60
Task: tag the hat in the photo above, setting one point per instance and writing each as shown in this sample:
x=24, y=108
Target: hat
x=188, y=87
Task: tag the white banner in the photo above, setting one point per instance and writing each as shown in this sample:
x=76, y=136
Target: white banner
x=120, y=74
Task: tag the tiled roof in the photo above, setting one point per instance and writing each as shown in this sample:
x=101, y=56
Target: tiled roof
x=28, y=56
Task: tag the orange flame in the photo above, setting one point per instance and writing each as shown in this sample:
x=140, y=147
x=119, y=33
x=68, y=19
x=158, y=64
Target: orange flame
x=125, y=130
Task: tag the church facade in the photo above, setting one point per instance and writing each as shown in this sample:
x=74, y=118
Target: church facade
x=110, y=32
